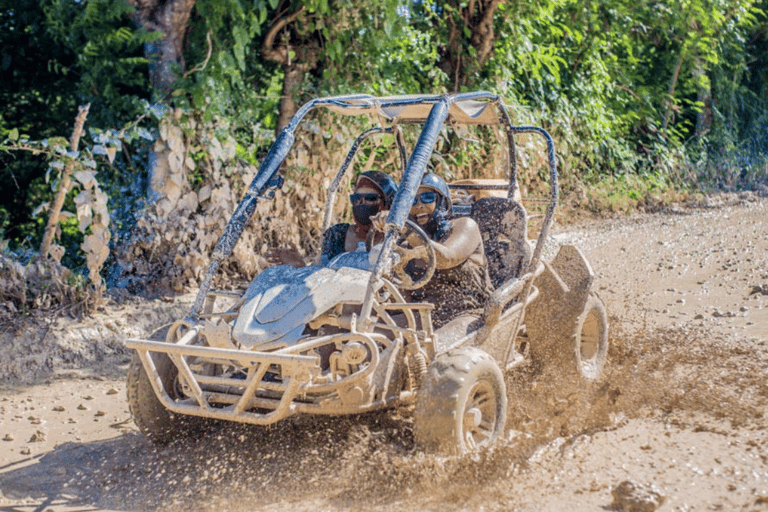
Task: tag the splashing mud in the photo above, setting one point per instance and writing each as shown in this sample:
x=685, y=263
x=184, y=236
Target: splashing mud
x=679, y=409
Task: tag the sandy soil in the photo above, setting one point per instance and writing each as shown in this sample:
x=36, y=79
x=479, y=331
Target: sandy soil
x=680, y=412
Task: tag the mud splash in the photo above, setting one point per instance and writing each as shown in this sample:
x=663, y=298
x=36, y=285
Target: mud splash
x=684, y=378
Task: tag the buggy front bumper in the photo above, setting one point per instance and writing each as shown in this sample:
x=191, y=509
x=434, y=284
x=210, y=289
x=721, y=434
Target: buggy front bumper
x=266, y=387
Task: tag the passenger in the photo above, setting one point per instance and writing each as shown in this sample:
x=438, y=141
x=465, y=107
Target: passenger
x=373, y=193
x=461, y=284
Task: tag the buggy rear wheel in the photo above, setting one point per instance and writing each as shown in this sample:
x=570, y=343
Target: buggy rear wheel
x=590, y=339
x=462, y=404
x=156, y=422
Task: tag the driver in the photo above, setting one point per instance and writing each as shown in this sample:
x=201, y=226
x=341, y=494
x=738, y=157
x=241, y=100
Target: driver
x=461, y=284
x=373, y=193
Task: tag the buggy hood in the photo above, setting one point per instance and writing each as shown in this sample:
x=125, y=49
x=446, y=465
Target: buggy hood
x=281, y=300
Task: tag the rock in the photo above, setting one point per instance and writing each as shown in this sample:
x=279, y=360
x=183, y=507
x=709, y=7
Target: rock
x=630, y=496
x=37, y=437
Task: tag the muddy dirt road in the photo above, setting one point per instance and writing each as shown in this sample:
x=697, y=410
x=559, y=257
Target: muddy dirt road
x=680, y=412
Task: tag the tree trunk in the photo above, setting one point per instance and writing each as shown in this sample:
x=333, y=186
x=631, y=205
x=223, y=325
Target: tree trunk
x=294, y=76
x=477, y=15
x=704, y=117
x=279, y=50
x=169, y=17
x=671, y=93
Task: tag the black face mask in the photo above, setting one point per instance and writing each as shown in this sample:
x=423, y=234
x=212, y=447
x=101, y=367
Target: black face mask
x=364, y=212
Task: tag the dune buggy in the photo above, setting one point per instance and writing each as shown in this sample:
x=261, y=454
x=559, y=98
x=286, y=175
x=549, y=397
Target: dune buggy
x=323, y=339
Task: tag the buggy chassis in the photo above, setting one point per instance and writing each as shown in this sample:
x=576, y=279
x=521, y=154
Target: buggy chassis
x=259, y=361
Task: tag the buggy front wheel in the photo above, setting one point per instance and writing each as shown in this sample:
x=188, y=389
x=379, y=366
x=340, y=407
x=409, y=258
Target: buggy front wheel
x=156, y=422
x=462, y=404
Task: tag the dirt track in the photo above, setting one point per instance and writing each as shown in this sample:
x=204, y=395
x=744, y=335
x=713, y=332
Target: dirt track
x=681, y=407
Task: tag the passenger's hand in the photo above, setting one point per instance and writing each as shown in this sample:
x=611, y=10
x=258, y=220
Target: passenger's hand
x=379, y=220
x=285, y=256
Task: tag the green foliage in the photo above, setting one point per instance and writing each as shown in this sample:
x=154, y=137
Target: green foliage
x=620, y=83
x=84, y=225
x=226, y=76
x=107, y=55
x=54, y=56
x=733, y=154
x=406, y=66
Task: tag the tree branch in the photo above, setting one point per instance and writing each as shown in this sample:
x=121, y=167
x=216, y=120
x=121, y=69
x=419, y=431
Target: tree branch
x=203, y=64
x=268, y=50
x=64, y=185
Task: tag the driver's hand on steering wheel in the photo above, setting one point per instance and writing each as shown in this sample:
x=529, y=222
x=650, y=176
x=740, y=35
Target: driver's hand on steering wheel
x=414, y=240
x=407, y=253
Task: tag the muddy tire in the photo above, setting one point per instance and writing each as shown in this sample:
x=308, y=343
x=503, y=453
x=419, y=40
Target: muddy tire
x=160, y=425
x=589, y=348
x=462, y=404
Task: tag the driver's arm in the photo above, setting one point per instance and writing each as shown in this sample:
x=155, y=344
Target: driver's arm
x=463, y=242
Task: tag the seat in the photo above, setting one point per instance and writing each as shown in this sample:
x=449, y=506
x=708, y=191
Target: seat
x=503, y=223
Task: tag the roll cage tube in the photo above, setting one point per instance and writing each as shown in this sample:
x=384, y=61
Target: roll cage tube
x=512, y=148
x=401, y=205
x=553, y=190
x=417, y=165
x=263, y=181
x=260, y=184
x=545, y=225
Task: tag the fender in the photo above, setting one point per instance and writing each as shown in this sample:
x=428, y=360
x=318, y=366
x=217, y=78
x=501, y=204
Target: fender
x=563, y=291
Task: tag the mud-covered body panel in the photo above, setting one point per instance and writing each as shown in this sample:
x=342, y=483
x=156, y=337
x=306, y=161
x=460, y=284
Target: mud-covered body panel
x=281, y=300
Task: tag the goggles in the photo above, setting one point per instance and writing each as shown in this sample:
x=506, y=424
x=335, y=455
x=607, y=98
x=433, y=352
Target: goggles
x=365, y=198
x=425, y=197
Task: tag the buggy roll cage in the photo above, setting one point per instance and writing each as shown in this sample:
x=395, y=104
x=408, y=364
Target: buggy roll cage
x=475, y=108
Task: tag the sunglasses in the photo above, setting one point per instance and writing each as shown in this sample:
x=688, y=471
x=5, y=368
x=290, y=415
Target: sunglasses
x=365, y=198
x=426, y=198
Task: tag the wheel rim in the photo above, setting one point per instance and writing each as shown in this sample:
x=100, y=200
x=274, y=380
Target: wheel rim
x=591, y=341
x=480, y=416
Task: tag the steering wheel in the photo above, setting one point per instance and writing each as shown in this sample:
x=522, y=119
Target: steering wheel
x=424, y=252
